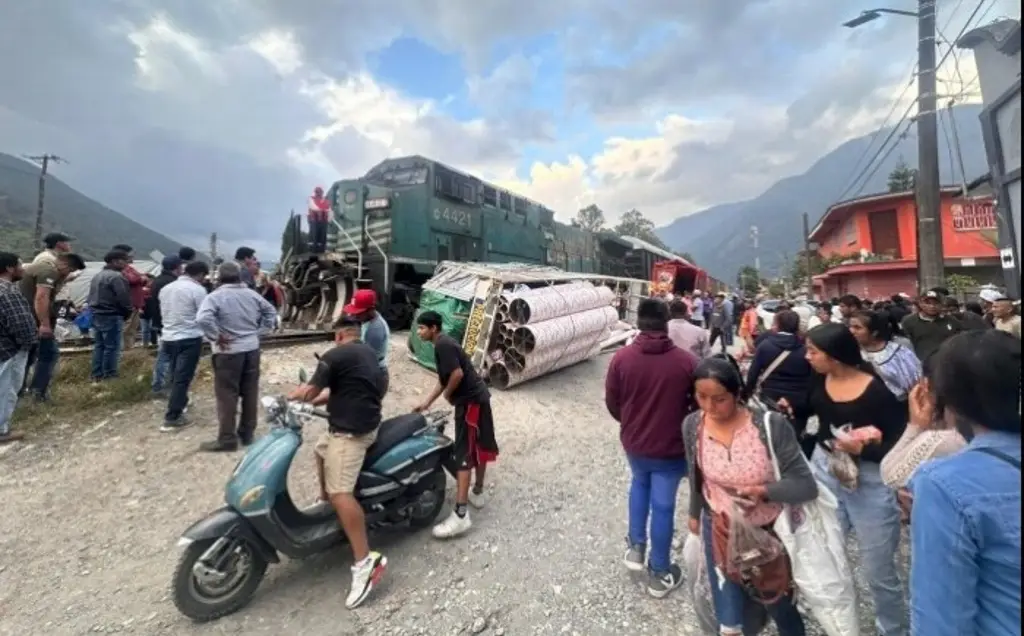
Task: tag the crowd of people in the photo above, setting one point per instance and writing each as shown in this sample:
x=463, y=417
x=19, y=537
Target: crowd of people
x=905, y=411
x=186, y=306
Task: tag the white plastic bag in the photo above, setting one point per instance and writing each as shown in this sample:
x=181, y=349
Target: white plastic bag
x=698, y=592
x=817, y=552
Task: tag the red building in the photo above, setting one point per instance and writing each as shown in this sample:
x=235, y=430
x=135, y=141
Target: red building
x=879, y=235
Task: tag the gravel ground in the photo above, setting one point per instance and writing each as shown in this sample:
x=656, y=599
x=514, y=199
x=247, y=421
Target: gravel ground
x=92, y=514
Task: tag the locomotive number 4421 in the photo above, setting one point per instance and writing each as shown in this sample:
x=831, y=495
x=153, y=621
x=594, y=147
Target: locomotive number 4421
x=453, y=216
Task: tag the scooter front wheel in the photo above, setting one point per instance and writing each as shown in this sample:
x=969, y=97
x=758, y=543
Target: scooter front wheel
x=209, y=586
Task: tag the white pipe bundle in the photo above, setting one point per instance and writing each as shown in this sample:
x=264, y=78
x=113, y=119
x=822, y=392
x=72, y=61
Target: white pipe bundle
x=531, y=307
x=508, y=296
x=502, y=377
x=559, y=332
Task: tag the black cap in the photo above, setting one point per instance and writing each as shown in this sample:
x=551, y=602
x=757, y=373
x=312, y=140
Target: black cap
x=115, y=255
x=347, y=322
x=51, y=239
x=171, y=263
x=74, y=261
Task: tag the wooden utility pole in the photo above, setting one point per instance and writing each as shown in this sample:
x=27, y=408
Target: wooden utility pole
x=930, y=262
x=808, y=257
x=44, y=163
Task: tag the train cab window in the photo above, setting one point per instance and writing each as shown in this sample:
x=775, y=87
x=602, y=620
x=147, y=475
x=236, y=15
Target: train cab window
x=468, y=193
x=490, y=196
x=505, y=201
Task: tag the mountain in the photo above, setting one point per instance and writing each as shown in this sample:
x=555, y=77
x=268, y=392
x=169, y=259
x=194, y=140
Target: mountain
x=95, y=227
x=777, y=212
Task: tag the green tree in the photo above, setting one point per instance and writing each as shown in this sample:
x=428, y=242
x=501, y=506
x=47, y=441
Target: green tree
x=590, y=218
x=748, y=280
x=960, y=284
x=635, y=224
x=903, y=178
x=777, y=289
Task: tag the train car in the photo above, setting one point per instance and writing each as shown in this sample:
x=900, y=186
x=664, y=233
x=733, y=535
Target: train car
x=390, y=229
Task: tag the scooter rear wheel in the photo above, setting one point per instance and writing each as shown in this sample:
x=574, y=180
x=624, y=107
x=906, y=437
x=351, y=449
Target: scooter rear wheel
x=422, y=516
x=207, y=598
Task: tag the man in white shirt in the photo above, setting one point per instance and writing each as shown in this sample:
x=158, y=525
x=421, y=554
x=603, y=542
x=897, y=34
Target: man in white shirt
x=181, y=338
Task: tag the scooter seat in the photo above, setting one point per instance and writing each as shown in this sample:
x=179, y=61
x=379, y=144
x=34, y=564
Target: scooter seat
x=393, y=432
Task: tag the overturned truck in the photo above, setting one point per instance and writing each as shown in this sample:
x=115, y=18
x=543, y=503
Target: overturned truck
x=519, y=322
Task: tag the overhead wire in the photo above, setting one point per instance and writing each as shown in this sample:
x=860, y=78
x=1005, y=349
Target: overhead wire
x=857, y=172
x=882, y=153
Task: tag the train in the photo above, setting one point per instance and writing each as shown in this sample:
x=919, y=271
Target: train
x=390, y=228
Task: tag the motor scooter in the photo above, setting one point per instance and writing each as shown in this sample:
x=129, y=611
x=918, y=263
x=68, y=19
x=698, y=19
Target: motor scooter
x=226, y=554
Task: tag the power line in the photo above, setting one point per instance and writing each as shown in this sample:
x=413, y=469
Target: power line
x=859, y=172
x=888, y=151
x=882, y=153
x=875, y=135
x=949, y=140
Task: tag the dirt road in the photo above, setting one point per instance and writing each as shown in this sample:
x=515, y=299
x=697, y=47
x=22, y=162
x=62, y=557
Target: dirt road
x=91, y=514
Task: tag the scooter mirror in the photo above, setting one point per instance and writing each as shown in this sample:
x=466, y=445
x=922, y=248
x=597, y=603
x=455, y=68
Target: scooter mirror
x=302, y=376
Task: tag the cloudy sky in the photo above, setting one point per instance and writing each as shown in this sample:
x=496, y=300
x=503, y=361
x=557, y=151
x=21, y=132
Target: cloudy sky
x=197, y=116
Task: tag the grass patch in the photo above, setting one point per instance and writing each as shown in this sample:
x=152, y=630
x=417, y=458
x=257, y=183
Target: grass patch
x=74, y=395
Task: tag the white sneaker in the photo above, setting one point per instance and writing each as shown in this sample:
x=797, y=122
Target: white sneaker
x=365, y=576
x=453, y=526
x=479, y=499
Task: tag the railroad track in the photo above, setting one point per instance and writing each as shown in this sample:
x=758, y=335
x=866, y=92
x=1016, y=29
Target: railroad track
x=274, y=341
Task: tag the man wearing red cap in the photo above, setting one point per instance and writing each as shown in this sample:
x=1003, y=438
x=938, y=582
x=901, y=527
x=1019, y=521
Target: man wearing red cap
x=375, y=331
x=318, y=214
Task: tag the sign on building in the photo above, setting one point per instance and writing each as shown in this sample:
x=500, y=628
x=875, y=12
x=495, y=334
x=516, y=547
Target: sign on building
x=974, y=216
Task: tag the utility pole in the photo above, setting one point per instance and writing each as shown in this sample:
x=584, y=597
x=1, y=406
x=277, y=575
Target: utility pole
x=753, y=243
x=808, y=257
x=930, y=263
x=213, y=247
x=44, y=163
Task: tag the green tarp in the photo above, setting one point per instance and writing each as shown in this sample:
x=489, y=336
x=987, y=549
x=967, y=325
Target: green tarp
x=454, y=314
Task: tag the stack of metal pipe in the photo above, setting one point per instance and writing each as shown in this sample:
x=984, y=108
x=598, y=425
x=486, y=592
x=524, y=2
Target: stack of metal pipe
x=549, y=328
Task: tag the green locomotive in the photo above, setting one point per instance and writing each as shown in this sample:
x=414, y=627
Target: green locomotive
x=391, y=228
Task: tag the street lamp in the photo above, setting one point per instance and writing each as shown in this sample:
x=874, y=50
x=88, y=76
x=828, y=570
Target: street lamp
x=874, y=14
x=930, y=257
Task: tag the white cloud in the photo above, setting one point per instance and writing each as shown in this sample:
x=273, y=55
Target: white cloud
x=261, y=85
x=167, y=58
x=280, y=49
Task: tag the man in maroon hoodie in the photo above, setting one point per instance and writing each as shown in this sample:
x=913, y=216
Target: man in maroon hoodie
x=648, y=390
x=137, y=284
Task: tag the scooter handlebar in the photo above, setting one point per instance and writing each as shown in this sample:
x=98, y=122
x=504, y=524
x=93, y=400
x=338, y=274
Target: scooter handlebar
x=303, y=408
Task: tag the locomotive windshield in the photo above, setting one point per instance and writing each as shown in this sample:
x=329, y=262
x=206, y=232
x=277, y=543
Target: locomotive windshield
x=396, y=176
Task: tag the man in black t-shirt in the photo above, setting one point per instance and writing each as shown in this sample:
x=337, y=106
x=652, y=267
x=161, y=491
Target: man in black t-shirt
x=349, y=381
x=930, y=326
x=475, y=445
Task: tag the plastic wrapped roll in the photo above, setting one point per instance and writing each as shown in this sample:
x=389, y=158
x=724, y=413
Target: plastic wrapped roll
x=558, y=332
x=529, y=308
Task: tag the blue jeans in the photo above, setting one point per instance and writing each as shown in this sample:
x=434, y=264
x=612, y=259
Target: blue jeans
x=729, y=597
x=148, y=335
x=12, y=374
x=43, y=361
x=106, y=348
x=160, y=368
x=872, y=512
x=652, y=494
x=182, y=359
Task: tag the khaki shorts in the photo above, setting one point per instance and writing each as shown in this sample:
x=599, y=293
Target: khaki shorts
x=343, y=455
